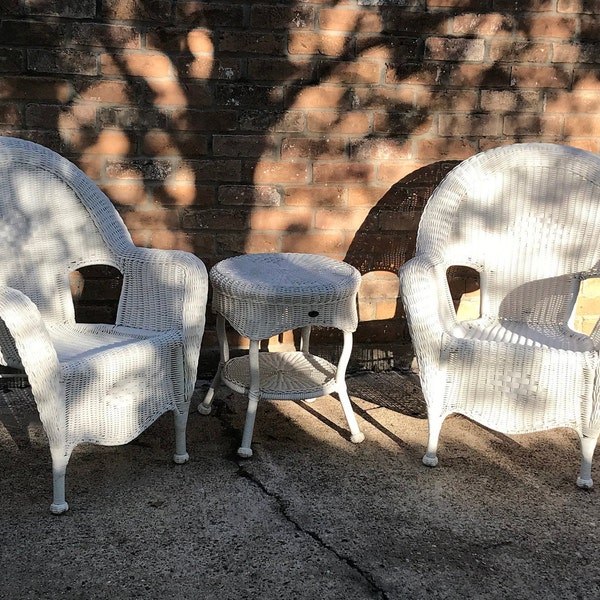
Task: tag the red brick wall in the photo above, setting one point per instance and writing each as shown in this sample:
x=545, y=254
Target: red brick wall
x=230, y=127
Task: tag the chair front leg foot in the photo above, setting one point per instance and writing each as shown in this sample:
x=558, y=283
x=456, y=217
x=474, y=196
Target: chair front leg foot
x=588, y=445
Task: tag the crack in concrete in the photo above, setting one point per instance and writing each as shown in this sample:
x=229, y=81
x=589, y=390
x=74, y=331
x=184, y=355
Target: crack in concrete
x=283, y=505
x=223, y=414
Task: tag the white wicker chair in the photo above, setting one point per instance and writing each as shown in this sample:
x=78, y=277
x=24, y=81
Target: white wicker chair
x=527, y=217
x=103, y=384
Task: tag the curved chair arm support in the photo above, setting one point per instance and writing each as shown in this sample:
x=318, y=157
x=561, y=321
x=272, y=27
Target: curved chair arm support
x=162, y=290
x=38, y=357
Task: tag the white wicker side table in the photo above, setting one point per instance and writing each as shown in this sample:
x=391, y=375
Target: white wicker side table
x=263, y=295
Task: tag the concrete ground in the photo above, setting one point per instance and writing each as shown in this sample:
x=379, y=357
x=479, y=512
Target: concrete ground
x=310, y=516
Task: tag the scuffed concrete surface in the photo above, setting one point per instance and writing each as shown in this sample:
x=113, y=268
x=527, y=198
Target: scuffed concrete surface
x=310, y=516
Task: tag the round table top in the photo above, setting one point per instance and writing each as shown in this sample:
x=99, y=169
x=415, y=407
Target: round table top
x=285, y=277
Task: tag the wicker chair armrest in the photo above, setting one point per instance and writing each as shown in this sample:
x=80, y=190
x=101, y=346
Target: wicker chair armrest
x=426, y=297
x=36, y=354
x=162, y=289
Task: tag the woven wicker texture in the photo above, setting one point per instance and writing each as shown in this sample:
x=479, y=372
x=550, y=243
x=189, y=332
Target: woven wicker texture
x=92, y=383
x=527, y=217
x=266, y=294
x=284, y=375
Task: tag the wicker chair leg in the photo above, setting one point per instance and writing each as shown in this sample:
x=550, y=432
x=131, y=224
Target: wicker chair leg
x=588, y=445
x=181, y=456
x=60, y=459
x=435, y=426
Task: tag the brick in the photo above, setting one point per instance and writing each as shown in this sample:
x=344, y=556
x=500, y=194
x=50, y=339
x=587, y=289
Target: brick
x=295, y=219
x=324, y=195
x=64, y=61
x=203, y=120
x=136, y=10
x=384, y=97
x=258, y=241
x=174, y=240
x=179, y=143
x=343, y=173
x=209, y=170
x=590, y=28
x=199, y=41
x=342, y=219
x=348, y=72
x=224, y=14
x=157, y=170
x=286, y=18
x=326, y=243
x=280, y=172
x=12, y=60
x=380, y=150
x=251, y=43
x=572, y=102
x=403, y=123
x=576, y=6
x=471, y=75
x=398, y=20
x=67, y=117
x=105, y=35
x=242, y=145
x=586, y=79
x=392, y=172
x=206, y=67
x=441, y=100
x=340, y=19
x=321, y=96
x=322, y=121
x=386, y=47
x=551, y=27
x=215, y=220
x=151, y=220
x=109, y=92
x=249, y=195
x=274, y=69
x=582, y=126
x=21, y=32
x=311, y=44
x=126, y=195
x=322, y=148
x=105, y=142
x=454, y=49
x=483, y=124
x=176, y=94
x=35, y=88
x=369, y=196
x=524, y=5
x=10, y=115
x=240, y=96
x=184, y=194
x=519, y=51
x=540, y=77
x=80, y=9
x=483, y=24
x=127, y=117
x=511, y=100
x=438, y=149
x=142, y=64
x=533, y=125
x=291, y=121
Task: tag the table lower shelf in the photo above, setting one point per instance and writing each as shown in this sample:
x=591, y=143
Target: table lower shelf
x=283, y=375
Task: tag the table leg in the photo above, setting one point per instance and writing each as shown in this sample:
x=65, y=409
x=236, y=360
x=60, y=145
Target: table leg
x=305, y=347
x=356, y=435
x=245, y=451
x=205, y=406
